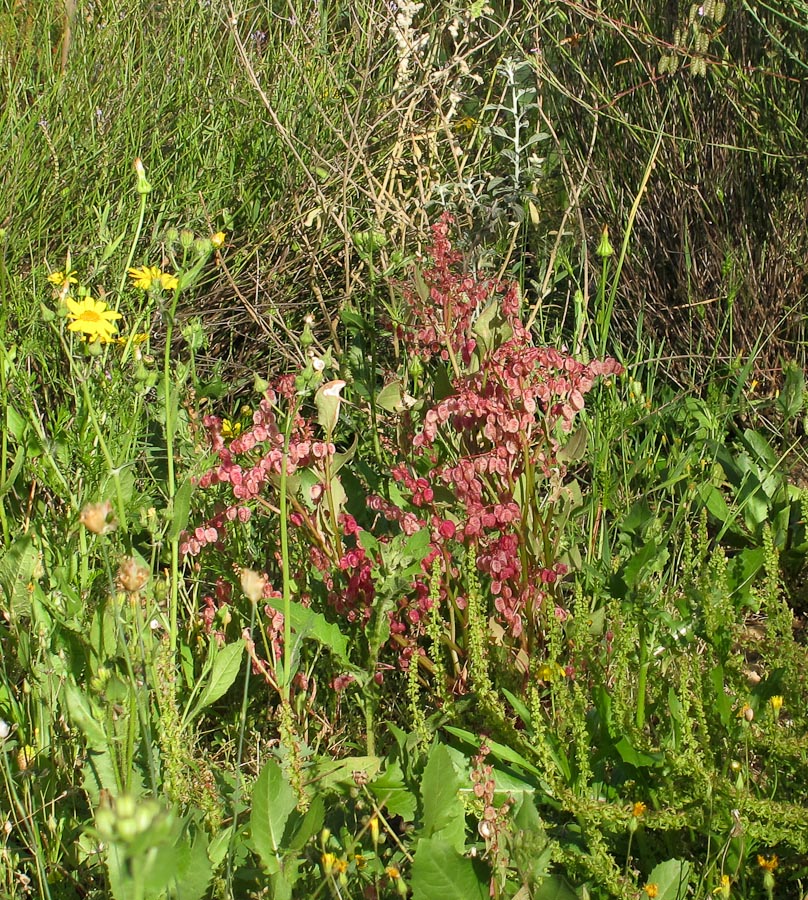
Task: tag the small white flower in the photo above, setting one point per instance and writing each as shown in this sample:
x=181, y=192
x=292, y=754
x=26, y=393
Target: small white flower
x=5, y=730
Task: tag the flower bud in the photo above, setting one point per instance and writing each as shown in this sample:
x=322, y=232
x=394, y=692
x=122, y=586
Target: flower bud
x=253, y=584
x=605, y=249
x=143, y=186
x=98, y=517
x=132, y=576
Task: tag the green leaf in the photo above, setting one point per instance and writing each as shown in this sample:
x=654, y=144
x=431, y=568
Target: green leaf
x=85, y=716
x=444, y=814
x=217, y=849
x=723, y=702
x=11, y=475
x=389, y=397
x=329, y=773
x=439, y=872
x=193, y=881
x=498, y=751
x=632, y=756
x=181, y=509
x=308, y=623
x=226, y=666
x=391, y=792
x=554, y=887
x=303, y=827
x=671, y=878
x=111, y=247
x=16, y=424
x=272, y=802
x=16, y=573
x=575, y=448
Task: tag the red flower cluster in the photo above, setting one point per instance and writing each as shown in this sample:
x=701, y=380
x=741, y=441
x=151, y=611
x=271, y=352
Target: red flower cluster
x=493, y=442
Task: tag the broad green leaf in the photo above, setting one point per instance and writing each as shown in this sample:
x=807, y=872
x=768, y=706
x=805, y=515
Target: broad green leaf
x=111, y=247
x=85, y=716
x=11, y=475
x=16, y=424
x=389, y=397
x=444, y=814
x=391, y=792
x=554, y=887
x=193, y=880
x=341, y=459
x=308, y=623
x=272, y=802
x=671, y=878
x=302, y=827
x=575, y=448
x=329, y=773
x=760, y=447
x=98, y=773
x=632, y=756
x=181, y=509
x=16, y=573
x=439, y=872
x=217, y=849
x=224, y=672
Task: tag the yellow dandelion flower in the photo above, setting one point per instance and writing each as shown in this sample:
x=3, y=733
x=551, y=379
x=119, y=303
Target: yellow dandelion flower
x=723, y=889
x=776, y=703
x=327, y=861
x=135, y=339
x=651, y=890
x=145, y=277
x=638, y=809
x=340, y=866
x=218, y=240
x=360, y=861
x=169, y=282
x=92, y=318
x=768, y=864
x=59, y=279
x=392, y=872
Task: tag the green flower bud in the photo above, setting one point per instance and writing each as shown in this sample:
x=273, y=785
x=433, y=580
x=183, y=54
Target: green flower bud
x=143, y=186
x=605, y=249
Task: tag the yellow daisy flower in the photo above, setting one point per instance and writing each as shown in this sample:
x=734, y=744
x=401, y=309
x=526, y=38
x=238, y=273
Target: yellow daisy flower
x=169, y=282
x=59, y=279
x=92, y=318
x=136, y=339
x=144, y=277
x=218, y=240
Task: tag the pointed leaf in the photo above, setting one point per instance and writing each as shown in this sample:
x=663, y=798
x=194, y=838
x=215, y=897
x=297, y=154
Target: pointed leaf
x=308, y=623
x=391, y=792
x=16, y=573
x=272, y=802
x=444, y=814
x=439, y=871
x=225, y=669
x=671, y=878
